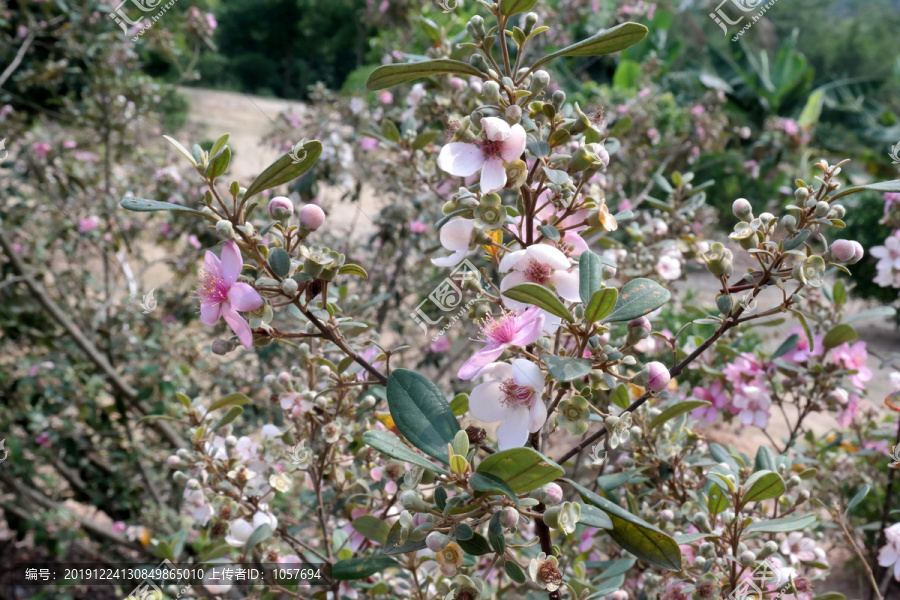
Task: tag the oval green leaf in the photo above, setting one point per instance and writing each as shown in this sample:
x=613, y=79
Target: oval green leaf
x=514, y=7
x=763, y=485
x=280, y=261
x=372, y=528
x=594, y=517
x=538, y=295
x=602, y=303
x=145, y=205
x=782, y=525
x=524, y=469
x=487, y=483
x=421, y=413
x=351, y=269
x=634, y=534
x=387, y=76
x=567, y=368
x=638, y=298
x=612, y=40
x=839, y=334
x=285, y=169
x=361, y=567
x=590, y=276
x=677, y=410
x=389, y=444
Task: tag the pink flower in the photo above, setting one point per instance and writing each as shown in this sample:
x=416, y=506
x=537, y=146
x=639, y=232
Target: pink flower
x=42, y=149
x=440, y=345
x=518, y=328
x=852, y=407
x=539, y=264
x=386, y=97
x=500, y=143
x=653, y=135
x=119, y=526
x=85, y=225
x=69, y=144
x=889, y=555
x=657, y=376
x=715, y=394
x=211, y=21
x=753, y=402
x=698, y=110
x=418, y=227
x=368, y=143
x=512, y=396
x=193, y=241
x=854, y=358
x=222, y=295
x=797, y=548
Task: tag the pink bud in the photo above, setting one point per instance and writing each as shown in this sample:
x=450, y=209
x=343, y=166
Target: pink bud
x=173, y=461
x=510, y=517
x=311, y=216
x=281, y=207
x=641, y=322
x=553, y=494
x=847, y=251
x=657, y=376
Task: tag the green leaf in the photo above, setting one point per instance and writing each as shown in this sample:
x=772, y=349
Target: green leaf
x=786, y=346
x=486, y=482
x=602, y=303
x=634, y=534
x=143, y=205
x=612, y=40
x=389, y=444
x=182, y=149
x=806, y=330
x=233, y=413
x=717, y=501
x=627, y=75
x=235, y=399
x=798, y=239
x=476, y=545
x=594, y=517
x=425, y=138
x=538, y=295
x=765, y=459
x=361, y=567
x=858, y=497
x=259, y=535
x=677, y=410
x=285, y=169
x=763, y=485
x=567, y=368
x=619, y=396
x=390, y=131
x=372, y=528
x=839, y=292
x=638, y=298
x=524, y=469
x=838, y=335
x=218, y=163
x=185, y=401
x=280, y=261
x=387, y=76
x=514, y=7
x=782, y=525
x=351, y=269
x=514, y=572
x=393, y=546
x=830, y=596
x=590, y=273
x=460, y=404
x=217, y=147
x=892, y=186
x=421, y=413
x=495, y=534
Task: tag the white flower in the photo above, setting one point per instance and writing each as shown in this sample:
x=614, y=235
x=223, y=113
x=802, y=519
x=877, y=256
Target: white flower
x=540, y=264
x=241, y=529
x=279, y=482
x=889, y=555
x=500, y=143
x=668, y=267
x=456, y=236
x=797, y=548
x=512, y=396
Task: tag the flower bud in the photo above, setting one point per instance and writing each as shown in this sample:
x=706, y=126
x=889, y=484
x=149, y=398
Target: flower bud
x=558, y=99
x=281, y=208
x=173, y=461
x=222, y=347
x=639, y=329
x=311, y=217
x=719, y=260
x=667, y=515
x=837, y=212
x=589, y=157
x=742, y=209
x=822, y=209
x=225, y=229
x=789, y=222
x=289, y=287
x=491, y=92
x=475, y=28
x=529, y=22
x=551, y=494
x=702, y=522
x=437, y=541
x=657, y=376
x=514, y=113
x=768, y=550
x=801, y=195
x=411, y=501
x=846, y=251
x=747, y=558
x=180, y=477
x=509, y=517
x=478, y=61
x=539, y=82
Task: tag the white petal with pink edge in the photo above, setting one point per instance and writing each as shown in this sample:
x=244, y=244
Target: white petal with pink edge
x=460, y=159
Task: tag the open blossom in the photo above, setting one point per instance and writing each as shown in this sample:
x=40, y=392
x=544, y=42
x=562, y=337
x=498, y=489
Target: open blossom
x=889, y=555
x=512, y=329
x=854, y=358
x=753, y=402
x=715, y=394
x=668, y=267
x=241, y=529
x=500, y=143
x=222, y=295
x=797, y=548
x=539, y=264
x=888, y=265
x=512, y=396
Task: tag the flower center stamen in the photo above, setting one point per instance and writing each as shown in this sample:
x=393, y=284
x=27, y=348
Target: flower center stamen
x=212, y=288
x=491, y=148
x=498, y=331
x=515, y=394
x=537, y=272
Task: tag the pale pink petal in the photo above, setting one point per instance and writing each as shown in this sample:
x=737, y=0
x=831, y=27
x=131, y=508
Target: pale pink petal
x=493, y=175
x=525, y=372
x=210, y=312
x=513, y=431
x=390, y=487
x=510, y=260
x=512, y=279
x=537, y=415
x=232, y=263
x=531, y=332
x=237, y=323
x=212, y=265
x=500, y=371
x=460, y=159
x=450, y=261
x=457, y=234
x=548, y=255
x=514, y=145
x=566, y=283
x=485, y=402
x=496, y=129
x=570, y=238
x=472, y=367
x=243, y=297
